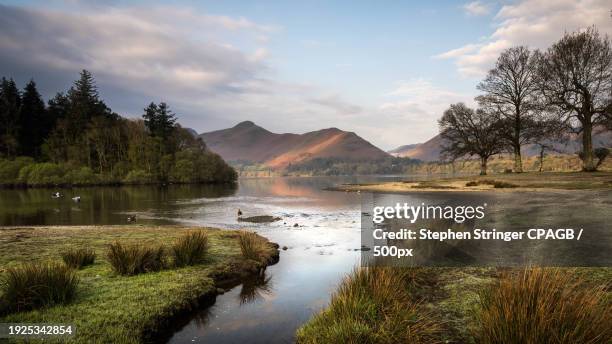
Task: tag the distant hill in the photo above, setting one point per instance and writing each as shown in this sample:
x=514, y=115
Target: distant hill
x=248, y=142
x=430, y=150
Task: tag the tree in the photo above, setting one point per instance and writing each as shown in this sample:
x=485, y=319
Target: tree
x=160, y=123
x=575, y=77
x=85, y=104
x=510, y=94
x=32, y=121
x=467, y=133
x=10, y=103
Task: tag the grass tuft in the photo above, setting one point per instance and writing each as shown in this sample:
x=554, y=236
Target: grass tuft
x=495, y=183
x=32, y=286
x=135, y=259
x=79, y=258
x=373, y=305
x=190, y=249
x=251, y=245
x=538, y=305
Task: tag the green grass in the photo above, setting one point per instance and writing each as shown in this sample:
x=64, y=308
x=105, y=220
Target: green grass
x=190, y=249
x=78, y=258
x=110, y=308
x=36, y=285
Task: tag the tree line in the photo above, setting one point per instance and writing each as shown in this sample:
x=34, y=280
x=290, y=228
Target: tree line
x=537, y=97
x=77, y=139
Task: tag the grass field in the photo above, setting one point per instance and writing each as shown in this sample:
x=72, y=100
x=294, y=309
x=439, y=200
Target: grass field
x=109, y=308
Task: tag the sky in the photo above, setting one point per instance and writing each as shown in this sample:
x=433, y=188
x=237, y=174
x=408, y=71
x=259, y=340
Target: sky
x=386, y=70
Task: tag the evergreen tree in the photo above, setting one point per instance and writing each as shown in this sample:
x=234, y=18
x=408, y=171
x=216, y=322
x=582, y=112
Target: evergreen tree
x=85, y=104
x=32, y=121
x=159, y=120
x=10, y=102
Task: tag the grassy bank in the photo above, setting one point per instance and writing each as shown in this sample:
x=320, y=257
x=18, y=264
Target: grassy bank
x=530, y=181
x=461, y=305
x=110, y=308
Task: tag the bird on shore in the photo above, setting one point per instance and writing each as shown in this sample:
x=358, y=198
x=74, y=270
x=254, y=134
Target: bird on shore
x=131, y=218
x=76, y=199
x=239, y=212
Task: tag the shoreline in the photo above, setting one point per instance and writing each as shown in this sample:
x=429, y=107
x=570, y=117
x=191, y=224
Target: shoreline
x=511, y=182
x=108, y=307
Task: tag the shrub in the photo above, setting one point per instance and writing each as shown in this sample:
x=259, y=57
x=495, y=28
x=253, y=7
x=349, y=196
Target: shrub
x=45, y=173
x=372, y=305
x=538, y=305
x=82, y=176
x=33, y=286
x=251, y=245
x=138, y=177
x=78, y=258
x=9, y=169
x=135, y=259
x=190, y=249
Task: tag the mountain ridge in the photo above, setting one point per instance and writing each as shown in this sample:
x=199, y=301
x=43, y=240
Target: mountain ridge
x=248, y=142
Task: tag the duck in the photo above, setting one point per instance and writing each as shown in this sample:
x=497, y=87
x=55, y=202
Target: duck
x=131, y=218
x=76, y=199
x=56, y=195
x=239, y=212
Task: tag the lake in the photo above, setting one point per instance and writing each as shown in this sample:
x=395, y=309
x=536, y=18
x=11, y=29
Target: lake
x=321, y=249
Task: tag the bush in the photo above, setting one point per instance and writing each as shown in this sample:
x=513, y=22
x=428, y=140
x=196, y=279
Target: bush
x=539, y=305
x=372, y=305
x=138, y=177
x=135, y=259
x=9, y=169
x=33, y=286
x=78, y=258
x=251, y=245
x=190, y=249
x=82, y=176
x=45, y=173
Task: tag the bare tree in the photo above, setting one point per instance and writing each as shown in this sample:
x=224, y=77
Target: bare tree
x=469, y=133
x=575, y=77
x=510, y=93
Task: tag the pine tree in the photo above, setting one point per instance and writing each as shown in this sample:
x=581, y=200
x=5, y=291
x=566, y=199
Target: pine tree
x=10, y=102
x=160, y=121
x=33, y=121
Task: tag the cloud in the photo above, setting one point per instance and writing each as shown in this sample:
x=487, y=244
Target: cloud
x=336, y=103
x=476, y=8
x=535, y=23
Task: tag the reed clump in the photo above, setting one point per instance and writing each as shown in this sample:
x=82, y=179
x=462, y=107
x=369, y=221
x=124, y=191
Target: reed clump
x=190, y=249
x=36, y=285
x=251, y=245
x=537, y=305
x=136, y=259
x=373, y=305
x=79, y=258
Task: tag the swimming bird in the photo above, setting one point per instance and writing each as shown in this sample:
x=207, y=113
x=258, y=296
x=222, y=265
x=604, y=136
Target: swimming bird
x=56, y=195
x=131, y=218
x=239, y=212
x=76, y=199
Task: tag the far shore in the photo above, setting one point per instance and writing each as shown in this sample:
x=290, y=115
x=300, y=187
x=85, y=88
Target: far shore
x=506, y=182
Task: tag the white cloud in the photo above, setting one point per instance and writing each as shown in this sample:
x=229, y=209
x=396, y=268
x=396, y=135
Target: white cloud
x=476, y=8
x=535, y=23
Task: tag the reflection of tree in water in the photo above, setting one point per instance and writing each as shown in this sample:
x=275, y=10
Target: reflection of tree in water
x=255, y=288
x=202, y=317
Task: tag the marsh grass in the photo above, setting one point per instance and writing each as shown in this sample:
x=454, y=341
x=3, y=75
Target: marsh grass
x=495, y=183
x=251, y=245
x=190, y=249
x=538, y=305
x=32, y=286
x=79, y=258
x=136, y=259
x=373, y=305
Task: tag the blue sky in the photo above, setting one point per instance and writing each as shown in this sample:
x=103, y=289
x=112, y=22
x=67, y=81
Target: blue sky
x=386, y=70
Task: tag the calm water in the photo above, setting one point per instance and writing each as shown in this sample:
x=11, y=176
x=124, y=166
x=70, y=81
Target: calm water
x=321, y=250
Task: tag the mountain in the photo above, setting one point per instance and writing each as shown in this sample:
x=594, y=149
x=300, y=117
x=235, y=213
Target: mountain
x=430, y=150
x=248, y=142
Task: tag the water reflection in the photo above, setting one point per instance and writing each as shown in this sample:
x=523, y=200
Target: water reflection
x=256, y=287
